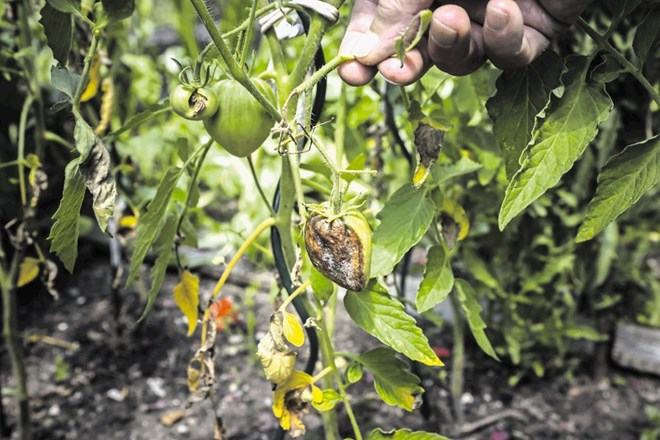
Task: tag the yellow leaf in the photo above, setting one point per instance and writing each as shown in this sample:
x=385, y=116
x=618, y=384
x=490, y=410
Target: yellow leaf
x=28, y=271
x=94, y=79
x=186, y=296
x=456, y=211
x=293, y=331
x=128, y=222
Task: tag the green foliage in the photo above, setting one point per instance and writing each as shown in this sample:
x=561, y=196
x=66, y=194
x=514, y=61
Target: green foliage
x=403, y=434
x=438, y=279
x=469, y=303
x=382, y=316
x=394, y=383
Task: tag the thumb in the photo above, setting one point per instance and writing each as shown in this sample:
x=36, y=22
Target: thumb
x=375, y=34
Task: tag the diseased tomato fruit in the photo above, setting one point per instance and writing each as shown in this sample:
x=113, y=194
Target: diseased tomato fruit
x=340, y=247
x=241, y=124
x=194, y=103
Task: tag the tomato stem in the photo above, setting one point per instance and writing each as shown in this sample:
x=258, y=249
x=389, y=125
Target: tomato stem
x=298, y=291
x=84, y=76
x=253, y=171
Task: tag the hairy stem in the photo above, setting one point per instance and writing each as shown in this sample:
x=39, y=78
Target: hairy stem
x=21, y=150
x=606, y=46
x=458, y=359
x=84, y=76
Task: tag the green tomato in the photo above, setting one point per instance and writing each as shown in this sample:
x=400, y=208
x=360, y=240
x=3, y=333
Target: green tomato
x=194, y=103
x=242, y=124
x=340, y=247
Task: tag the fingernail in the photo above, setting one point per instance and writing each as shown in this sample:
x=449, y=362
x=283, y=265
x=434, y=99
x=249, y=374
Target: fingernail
x=444, y=36
x=496, y=19
x=365, y=45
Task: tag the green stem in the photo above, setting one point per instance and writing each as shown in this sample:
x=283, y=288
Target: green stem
x=235, y=69
x=340, y=136
x=248, y=37
x=84, y=76
x=54, y=137
x=259, y=187
x=10, y=332
x=605, y=45
x=405, y=98
x=329, y=360
x=21, y=149
x=458, y=358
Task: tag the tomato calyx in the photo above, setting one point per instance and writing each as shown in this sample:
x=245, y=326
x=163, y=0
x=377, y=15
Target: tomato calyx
x=191, y=99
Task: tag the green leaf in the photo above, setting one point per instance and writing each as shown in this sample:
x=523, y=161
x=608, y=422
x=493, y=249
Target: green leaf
x=383, y=317
x=99, y=180
x=468, y=299
x=64, y=81
x=438, y=279
x=584, y=332
x=354, y=372
x=322, y=287
x=67, y=6
x=65, y=230
x=571, y=124
x=521, y=96
x=403, y=434
x=330, y=400
x=621, y=183
x=393, y=382
x=403, y=222
x=58, y=27
x=621, y=8
x=647, y=35
x=162, y=248
x=443, y=172
x=607, y=71
x=152, y=221
x=118, y=9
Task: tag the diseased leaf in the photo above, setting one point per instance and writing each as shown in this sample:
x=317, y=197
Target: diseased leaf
x=470, y=305
x=437, y=282
x=293, y=331
x=64, y=81
x=393, y=381
x=167, y=234
x=330, y=400
x=383, y=317
x=27, y=271
x=621, y=183
x=403, y=434
x=152, y=221
x=403, y=222
x=58, y=27
x=65, y=230
x=99, y=180
x=186, y=296
x=647, y=35
x=572, y=122
x=521, y=96
x=94, y=80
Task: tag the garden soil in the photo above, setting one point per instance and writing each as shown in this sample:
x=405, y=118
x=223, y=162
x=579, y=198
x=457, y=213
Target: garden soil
x=92, y=376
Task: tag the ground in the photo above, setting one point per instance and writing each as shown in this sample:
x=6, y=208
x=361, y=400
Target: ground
x=98, y=378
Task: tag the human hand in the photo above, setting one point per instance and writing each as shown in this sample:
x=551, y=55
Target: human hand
x=461, y=37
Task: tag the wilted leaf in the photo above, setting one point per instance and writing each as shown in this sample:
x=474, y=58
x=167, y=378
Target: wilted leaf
x=291, y=400
x=276, y=358
x=65, y=230
x=292, y=330
x=572, y=122
x=393, y=381
x=152, y=221
x=27, y=271
x=186, y=296
x=403, y=434
x=404, y=220
x=94, y=80
x=171, y=417
x=99, y=180
x=382, y=316
x=437, y=282
x=472, y=309
x=428, y=143
x=621, y=183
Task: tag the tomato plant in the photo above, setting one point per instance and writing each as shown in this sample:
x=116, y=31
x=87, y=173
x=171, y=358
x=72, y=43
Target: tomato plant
x=194, y=103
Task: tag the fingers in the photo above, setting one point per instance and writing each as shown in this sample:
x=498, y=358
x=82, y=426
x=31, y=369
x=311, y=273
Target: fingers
x=508, y=42
x=455, y=43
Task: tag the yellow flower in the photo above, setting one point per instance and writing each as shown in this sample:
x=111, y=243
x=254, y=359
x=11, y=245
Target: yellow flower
x=291, y=401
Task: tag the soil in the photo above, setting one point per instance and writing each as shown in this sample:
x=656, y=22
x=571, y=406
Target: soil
x=97, y=377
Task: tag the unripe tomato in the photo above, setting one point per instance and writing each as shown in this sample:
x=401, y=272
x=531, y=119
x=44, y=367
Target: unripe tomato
x=340, y=247
x=241, y=124
x=194, y=103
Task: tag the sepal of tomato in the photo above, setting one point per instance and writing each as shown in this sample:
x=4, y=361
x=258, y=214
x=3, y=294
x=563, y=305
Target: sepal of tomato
x=340, y=247
x=193, y=103
x=241, y=124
